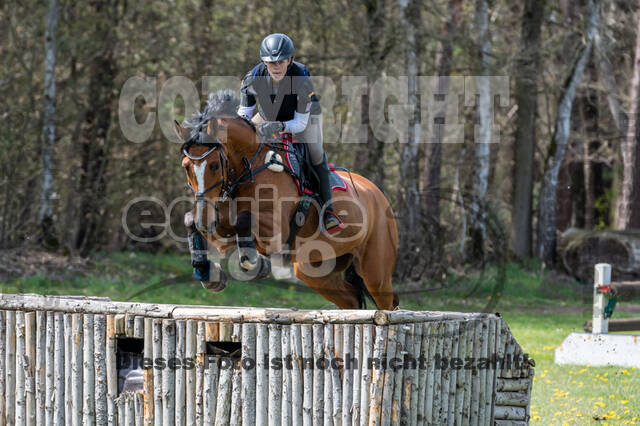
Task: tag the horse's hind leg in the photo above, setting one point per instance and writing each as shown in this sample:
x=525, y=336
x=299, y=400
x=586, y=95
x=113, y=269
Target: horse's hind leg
x=375, y=264
x=332, y=287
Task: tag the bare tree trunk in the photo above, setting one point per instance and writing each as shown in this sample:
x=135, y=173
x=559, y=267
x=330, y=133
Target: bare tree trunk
x=45, y=214
x=94, y=134
x=628, y=214
x=557, y=149
x=528, y=70
x=410, y=18
x=433, y=160
x=477, y=208
x=371, y=155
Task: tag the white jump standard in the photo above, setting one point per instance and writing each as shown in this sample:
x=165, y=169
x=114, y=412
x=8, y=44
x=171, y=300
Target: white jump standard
x=598, y=347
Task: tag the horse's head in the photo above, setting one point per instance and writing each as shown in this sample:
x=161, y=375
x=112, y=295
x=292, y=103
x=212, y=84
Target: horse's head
x=204, y=158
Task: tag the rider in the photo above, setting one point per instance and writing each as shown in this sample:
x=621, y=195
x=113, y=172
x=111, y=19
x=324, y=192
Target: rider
x=283, y=91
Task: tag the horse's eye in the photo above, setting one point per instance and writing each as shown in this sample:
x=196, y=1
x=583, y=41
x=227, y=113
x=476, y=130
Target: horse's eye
x=215, y=166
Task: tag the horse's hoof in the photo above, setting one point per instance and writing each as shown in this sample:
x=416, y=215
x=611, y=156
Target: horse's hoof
x=247, y=264
x=215, y=287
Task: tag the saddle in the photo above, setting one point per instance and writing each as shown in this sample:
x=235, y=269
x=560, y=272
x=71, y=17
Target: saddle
x=297, y=159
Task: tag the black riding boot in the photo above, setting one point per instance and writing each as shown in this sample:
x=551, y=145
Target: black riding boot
x=331, y=221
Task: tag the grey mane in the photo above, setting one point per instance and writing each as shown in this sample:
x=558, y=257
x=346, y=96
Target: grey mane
x=222, y=103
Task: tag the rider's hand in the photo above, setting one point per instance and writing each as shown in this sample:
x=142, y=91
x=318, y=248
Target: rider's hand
x=270, y=127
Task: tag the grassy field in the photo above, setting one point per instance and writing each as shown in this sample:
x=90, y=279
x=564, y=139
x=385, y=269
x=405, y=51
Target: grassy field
x=541, y=310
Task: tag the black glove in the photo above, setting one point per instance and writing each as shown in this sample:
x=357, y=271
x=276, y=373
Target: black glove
x=270, y=127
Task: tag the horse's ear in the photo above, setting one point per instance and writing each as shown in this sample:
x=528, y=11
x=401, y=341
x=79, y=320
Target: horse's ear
x=181, y=132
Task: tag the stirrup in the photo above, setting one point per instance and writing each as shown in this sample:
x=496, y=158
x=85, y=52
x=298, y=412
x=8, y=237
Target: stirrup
x=334, y=222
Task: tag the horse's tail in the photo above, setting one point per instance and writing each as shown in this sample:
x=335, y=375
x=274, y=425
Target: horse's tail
x=352, y=277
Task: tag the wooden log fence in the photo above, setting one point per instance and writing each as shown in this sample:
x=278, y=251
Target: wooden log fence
x=254, y=366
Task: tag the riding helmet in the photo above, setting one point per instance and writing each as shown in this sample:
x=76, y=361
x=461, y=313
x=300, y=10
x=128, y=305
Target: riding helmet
x=276, y=47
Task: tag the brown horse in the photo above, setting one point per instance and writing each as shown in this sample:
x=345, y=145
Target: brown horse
x=254, y=206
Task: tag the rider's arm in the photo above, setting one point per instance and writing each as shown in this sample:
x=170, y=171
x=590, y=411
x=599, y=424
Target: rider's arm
x=247, y=100
x=298, y=124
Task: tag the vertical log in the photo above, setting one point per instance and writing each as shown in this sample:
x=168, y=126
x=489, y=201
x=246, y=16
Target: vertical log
x=225, y=386
x=190, y=353
x=248, y=395
x=20, y=370
x=10, y=365
x=236, y=390
x=148, y=373
x=168, y=375
x=387, y=394
x=286, y=375
x=275, y=376
x=415, y=374
x=210, y=389
x=453, y=375
x=157, y=373
x=138, y=327
x=76, y=367
x=430, y=395
x=50, y=368
x=468, y=373
x=121, y=410
x=68, y=382
x=119, y=322
x=88, y=374
x=138, y=404
x=130, y=415
x=201, y=353
x=425, y=346
x=348, y=337
x=335, y=379
x=475, y=386
x=356, y=374
x=99, y=349
x=129, y=323
x=59, y=409
x=3, y=333
x=460, y=374
x=262, y=383
x=327, y=343
x=30, y=367
x=365, y=375
x=111, y=368
x=491, y=372
x=397, y=374
x=377, y=375
x=180, y=388
x=318, y=375
x=41, y=363
x=226, y=329
x=297, y=382
x=445, y=373
x=407, y=383
x=307, y=375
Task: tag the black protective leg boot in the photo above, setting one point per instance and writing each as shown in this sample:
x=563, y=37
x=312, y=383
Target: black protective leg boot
x=331, y=221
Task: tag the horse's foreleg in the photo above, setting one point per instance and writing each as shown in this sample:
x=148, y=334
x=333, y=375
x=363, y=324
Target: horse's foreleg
x=251, y=261
x=208, y=273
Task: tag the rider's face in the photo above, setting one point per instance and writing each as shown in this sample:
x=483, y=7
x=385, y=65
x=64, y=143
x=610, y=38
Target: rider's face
x=278, y=69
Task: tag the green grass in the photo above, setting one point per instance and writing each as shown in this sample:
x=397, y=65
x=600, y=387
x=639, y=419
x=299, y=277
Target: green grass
x=541, y=310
